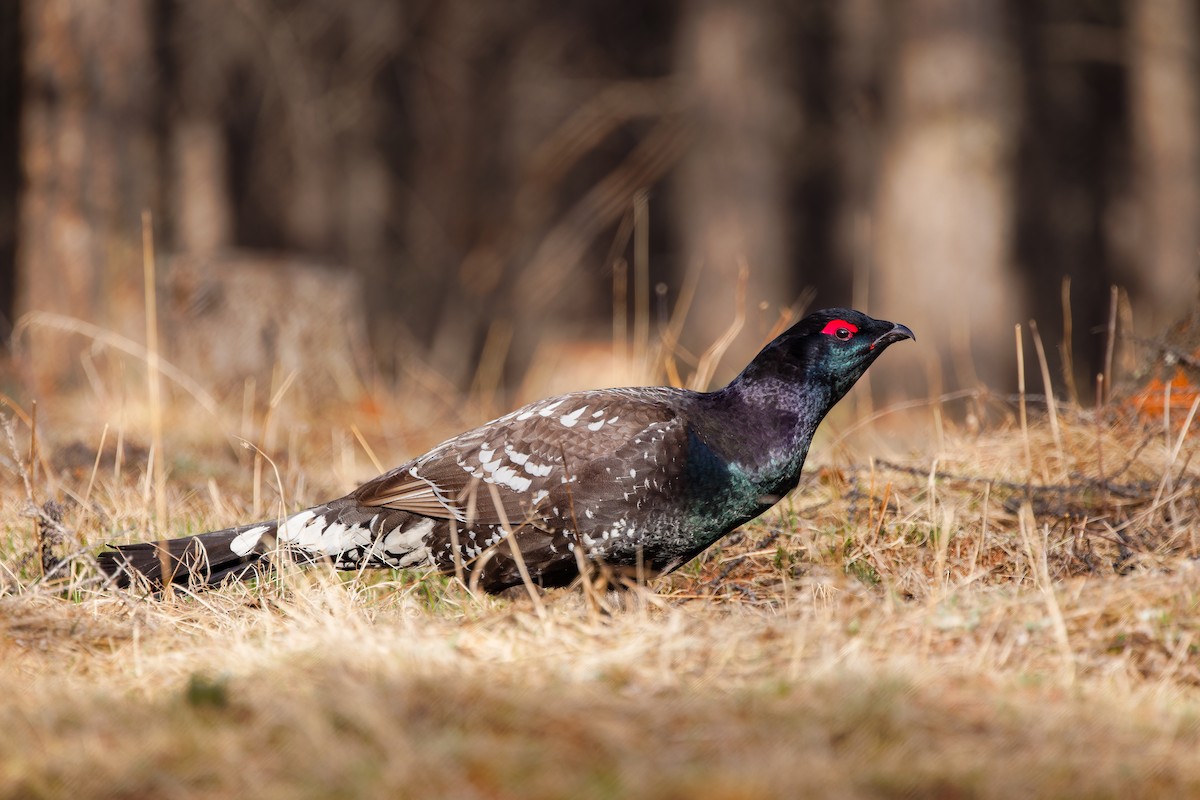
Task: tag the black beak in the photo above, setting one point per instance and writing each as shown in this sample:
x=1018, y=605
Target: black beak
x=897, y=333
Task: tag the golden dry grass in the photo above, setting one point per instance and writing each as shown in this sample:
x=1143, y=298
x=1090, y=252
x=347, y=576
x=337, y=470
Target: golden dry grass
x=959, y=620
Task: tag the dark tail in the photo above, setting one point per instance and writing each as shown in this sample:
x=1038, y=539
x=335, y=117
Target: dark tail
x=203, y=560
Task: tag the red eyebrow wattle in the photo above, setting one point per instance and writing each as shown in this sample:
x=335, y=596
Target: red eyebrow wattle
x=832, y=327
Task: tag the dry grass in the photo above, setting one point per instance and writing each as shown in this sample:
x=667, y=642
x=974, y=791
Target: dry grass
x=956, y=621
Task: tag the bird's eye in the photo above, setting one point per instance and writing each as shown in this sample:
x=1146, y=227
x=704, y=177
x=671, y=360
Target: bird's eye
x=840, y=328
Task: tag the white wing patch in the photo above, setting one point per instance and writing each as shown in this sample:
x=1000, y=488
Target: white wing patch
x=245, y=541
x=405, y=547
x=507, y=476
x=312, y=532
x=337, y=538
x=306, y=531
x=548, y=410
x=539, y=470
x=569, y=420
x=503, y=465
x=303, y=530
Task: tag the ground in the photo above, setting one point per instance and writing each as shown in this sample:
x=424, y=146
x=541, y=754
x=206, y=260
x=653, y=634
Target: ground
x=955, y=610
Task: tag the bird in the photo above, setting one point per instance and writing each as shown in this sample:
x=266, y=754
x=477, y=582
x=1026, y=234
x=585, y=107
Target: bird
x=639, y=478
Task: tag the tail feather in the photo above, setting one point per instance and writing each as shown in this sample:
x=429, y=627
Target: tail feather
x=343, y=532
x=206, y=559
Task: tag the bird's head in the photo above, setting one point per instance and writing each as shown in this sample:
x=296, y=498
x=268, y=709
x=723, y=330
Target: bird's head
x=832, y=348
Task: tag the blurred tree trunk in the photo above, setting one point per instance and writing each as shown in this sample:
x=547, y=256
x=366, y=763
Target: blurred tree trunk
x=457, y=93
x=731, y=191
x=10, y=183
x=89, y=164
x=1073, y=177
x=944, y=207
x=862, y=32
x=202, y=205
x=1166, y=143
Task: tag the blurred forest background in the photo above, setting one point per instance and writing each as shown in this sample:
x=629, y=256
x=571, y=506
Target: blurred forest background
x=480, y=191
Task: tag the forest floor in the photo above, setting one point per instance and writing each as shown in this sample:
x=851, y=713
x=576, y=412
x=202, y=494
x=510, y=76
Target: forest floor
x=999, y=611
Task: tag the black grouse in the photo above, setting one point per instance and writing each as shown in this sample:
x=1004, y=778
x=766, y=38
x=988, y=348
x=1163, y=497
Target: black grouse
x=639, y=477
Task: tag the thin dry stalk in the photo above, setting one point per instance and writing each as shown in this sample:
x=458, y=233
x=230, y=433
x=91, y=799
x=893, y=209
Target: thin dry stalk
x=15, y=407
x=515, y=551
x=936, y=592
x=1123, y=353
x=1021, y=393
x=31, y=486
x=280, y=557
x=871, y=494
x=943, y=528
x=1100, y=431
x=269, y=441
x=1051, y=405
x=1166, y=484
x=477, y=567
x=119, y=449
x=1041, y=571
x=33, y=449
x=641, y=280
x=789, y=314
x=249, y=390
x=485, y=385
x=459, y=573
x=28, y=420
x=1110, y=345
x=883, y=509
x=23, y=470
x=983, y=532
x=1067, y=348
x=716, y=351
x=586, y=570
x=674, y=327
x=591, y=602
x=620, y=333
x=95, y=469
x=1167, y=411
x=362, y=440
x=249, y=445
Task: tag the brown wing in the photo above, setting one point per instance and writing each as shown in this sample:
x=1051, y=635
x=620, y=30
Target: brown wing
x=521, y=454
